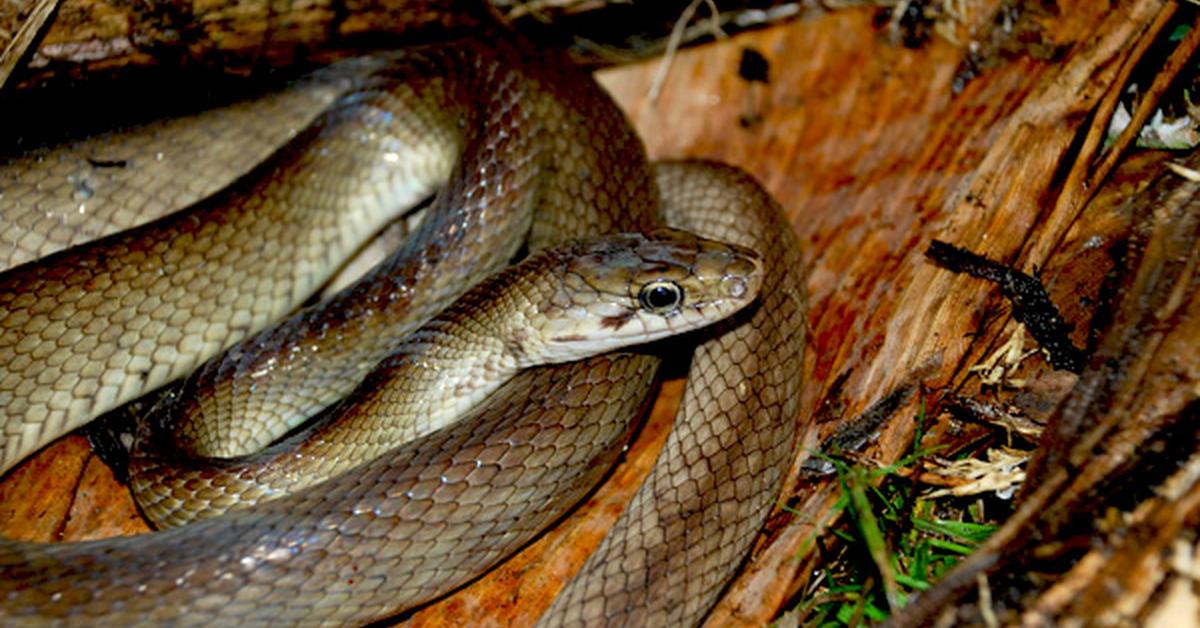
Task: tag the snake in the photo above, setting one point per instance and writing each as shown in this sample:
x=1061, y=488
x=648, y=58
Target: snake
x=430, y=514
x=564, y=304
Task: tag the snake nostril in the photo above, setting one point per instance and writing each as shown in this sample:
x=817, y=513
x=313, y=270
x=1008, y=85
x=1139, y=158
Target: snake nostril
x=734, y=287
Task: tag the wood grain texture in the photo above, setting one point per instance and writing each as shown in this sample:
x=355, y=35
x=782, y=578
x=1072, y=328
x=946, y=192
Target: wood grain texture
x=89, y=37
x=872, y=154
x=1107, y=520
x=65, y=493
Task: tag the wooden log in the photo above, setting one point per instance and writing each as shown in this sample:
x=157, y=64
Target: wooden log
x=95, y=37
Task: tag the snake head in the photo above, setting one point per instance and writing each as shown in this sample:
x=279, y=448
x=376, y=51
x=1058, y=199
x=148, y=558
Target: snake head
x=625, y=289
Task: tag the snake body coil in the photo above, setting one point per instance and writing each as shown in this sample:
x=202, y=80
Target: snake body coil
x=564, y=304
x=432, y=513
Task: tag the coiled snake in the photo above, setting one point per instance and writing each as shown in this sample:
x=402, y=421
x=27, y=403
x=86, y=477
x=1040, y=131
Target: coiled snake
x=490, y=125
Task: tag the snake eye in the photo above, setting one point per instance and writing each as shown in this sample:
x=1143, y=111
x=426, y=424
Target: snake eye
x=660, y=297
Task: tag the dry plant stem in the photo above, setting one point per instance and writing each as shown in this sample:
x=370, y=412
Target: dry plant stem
x=26, y=35
x=898, y=11
x=985, y=602
x=537, y=7
x=1150, y=99
x=1092, y=167
x=1163, y=79
x=676, y=38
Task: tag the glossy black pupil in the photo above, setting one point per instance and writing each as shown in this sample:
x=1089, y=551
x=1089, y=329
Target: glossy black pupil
x=660, y=296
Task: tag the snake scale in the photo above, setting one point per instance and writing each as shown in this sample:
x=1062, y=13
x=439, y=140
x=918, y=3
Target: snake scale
x=437, y=511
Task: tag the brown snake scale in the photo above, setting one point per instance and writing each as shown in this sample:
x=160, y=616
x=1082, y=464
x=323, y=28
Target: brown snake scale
x=491, y=126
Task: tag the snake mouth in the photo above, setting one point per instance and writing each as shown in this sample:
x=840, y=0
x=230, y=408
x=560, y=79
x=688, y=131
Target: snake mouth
x=622, y=329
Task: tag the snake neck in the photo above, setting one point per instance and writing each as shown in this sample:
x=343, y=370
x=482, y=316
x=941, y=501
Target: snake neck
x=444, y=369
x=437, y=374
x=474, y=227
x=448, y=365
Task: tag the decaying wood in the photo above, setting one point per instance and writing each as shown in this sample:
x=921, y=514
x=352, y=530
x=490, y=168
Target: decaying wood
x=96, y=39
x=31, y=27
x=1133, y=412
x=872, y=164
x=874, y=150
